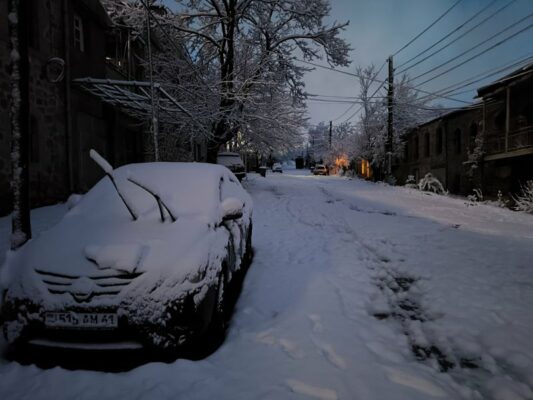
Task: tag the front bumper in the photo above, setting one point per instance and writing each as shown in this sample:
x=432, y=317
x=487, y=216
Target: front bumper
x=177, y=324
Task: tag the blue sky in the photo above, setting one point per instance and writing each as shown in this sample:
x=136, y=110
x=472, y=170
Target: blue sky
x=381, y=27
x=378, y=28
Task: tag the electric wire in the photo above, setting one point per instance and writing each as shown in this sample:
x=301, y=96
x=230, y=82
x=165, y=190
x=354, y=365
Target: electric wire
x=476, y=55
x=457, y=38
x=429, y=27
x=377, y=80
x=511, y=26
x=480, y=77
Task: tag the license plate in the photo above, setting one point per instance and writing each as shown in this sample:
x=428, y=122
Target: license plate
x=80, y=320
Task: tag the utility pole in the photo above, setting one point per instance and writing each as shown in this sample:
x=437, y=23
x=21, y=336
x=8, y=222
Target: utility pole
x=154, y=96
x=390, y=116
x=19, y=115
x=330, y=129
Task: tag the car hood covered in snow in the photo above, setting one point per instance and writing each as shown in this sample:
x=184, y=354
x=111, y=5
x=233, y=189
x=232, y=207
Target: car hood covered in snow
x=99, y=240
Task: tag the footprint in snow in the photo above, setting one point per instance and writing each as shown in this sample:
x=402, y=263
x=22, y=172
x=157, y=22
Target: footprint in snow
x=315, y=392
x=331, y=355
x=317, y=322
x=288, y=347
x=291, y=349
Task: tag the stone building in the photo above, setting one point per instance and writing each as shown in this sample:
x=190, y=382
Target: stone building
x=487, y=146
x=67, y=40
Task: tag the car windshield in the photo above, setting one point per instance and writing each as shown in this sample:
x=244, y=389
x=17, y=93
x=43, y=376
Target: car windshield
x=186, y=188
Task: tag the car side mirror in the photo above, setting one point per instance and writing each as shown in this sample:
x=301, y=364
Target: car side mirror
x=232, y=208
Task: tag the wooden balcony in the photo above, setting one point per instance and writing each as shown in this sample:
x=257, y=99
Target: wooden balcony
x=517, y=143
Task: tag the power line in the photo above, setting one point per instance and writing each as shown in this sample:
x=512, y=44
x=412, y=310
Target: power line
x=353, y=105
x=429, y=27
x=477, y=55
x=377, y=80
x=511, y=26
x=447, y=36
x=480, y=77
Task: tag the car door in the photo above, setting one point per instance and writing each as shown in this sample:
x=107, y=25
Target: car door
x=230, y=187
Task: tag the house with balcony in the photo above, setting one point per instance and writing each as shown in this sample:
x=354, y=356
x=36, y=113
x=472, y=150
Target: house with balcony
x=508, y=131
x=487, y=146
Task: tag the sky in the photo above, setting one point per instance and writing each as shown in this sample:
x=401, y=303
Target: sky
x=379, y=28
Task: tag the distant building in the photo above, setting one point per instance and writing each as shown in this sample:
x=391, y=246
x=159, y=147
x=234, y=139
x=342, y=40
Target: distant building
x=488, y=146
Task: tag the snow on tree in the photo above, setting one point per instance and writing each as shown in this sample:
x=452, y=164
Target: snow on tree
x=250, y=45
x=230, y=63
x=409, y=111
x=431, y=184
x=320, y=148
x=524, y=200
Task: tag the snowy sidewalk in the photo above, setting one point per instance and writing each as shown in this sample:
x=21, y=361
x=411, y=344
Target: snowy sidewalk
x=357, y=291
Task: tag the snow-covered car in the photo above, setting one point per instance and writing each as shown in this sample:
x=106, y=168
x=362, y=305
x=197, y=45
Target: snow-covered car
x=233, y=162
x=151, y=258
x=276, y=167
x=320, y=170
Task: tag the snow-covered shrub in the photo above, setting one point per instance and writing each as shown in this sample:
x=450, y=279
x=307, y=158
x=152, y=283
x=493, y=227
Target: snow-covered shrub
x=410, y=182
x=524, y=200
x=501, y=202
x=476, y=197
x=431, y=184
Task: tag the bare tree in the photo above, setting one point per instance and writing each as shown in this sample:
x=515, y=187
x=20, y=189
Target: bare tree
x=250, y=44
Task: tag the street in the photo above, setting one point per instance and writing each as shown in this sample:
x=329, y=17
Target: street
x=357, y=290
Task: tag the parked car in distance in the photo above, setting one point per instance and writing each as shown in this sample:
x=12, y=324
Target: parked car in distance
x=233, y=162
x=320, y=170
x=276, y=167
x=152, y=263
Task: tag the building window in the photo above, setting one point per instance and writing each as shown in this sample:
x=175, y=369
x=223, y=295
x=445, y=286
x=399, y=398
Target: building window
x=78, y=34
x=457, y=141
x=426, y=145
x=439, y=141
x=415, y=155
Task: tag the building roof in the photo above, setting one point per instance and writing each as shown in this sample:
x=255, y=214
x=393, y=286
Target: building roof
x=521, y=73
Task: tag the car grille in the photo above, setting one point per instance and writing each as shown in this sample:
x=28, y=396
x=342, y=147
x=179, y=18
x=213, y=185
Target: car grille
x=84, y=288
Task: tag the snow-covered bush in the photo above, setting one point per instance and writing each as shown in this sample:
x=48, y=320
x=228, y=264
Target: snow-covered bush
x=410, y=182
x=431, y=184
x=501, y=202
x=524, y=200
x=476, y=197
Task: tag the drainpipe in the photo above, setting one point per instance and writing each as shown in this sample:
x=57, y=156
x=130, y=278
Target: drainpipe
x=447, y=168
x=484, y=140
x=507, y=116
x=68, y=98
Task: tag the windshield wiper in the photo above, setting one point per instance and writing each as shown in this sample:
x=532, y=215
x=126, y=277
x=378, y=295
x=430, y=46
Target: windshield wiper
x=160, y=203
x=108, y=169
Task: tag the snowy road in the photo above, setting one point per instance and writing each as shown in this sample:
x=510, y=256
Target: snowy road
x=357, y=291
